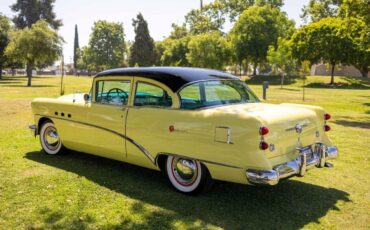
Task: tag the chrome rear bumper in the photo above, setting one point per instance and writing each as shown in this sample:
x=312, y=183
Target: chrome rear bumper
x=298, y=166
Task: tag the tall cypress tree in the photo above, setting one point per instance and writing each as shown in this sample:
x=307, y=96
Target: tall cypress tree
x=143, y=48
x=76, y=48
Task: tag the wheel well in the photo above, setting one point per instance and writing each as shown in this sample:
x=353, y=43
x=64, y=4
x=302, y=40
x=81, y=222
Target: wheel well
x=42, y=121
x=161, y=161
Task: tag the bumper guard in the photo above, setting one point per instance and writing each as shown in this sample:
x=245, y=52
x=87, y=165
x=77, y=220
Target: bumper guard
x=296, y=167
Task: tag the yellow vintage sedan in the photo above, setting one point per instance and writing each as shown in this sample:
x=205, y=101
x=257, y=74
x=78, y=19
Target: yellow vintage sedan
x=196, y=125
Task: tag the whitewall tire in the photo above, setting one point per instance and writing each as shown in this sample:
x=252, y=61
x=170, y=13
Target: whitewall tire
x=187, y=176
x=50, y=140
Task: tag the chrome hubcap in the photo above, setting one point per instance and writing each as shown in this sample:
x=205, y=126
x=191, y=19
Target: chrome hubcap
x=51, y=138
x=185, y=171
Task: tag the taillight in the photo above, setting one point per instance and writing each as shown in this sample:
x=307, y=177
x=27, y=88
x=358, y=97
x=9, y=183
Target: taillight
x=264, y=145
x=264, y=130
x=327, y=128
x=327, y=116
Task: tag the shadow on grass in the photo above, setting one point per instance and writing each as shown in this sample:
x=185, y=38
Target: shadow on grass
x=350, y=83
x=273, y=80
x=290, y=205
x=33, y=86
x=356, y=124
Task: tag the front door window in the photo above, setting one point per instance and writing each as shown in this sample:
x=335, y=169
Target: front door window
x=113, y=92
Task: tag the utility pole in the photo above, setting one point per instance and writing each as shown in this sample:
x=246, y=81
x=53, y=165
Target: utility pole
x=201, y=4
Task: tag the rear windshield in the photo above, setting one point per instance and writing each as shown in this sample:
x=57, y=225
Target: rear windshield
x=216, y=93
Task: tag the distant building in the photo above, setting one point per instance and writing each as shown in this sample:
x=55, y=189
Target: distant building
x=324, y=70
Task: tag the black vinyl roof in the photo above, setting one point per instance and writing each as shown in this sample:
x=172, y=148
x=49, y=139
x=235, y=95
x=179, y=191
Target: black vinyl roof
x=173, y=77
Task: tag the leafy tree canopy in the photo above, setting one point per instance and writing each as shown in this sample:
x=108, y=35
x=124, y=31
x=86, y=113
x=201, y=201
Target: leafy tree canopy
x=36, y=46
x=209, y=50
x=281, y=57
x=328, y=39
x=257, y=28
x=31, y=11
x=106, y=48
x=4, y=39
x=356, y=9
x=319, y=9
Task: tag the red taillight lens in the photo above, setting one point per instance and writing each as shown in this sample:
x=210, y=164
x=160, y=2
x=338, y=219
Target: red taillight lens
x=327, y=128
x=264, y=130
x=264, y=145
x=327, y=116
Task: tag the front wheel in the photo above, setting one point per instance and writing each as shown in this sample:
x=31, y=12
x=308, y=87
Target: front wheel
x=50, y=140
x=188, y=176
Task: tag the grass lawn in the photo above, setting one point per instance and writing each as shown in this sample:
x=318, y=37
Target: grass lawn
x=78, y=191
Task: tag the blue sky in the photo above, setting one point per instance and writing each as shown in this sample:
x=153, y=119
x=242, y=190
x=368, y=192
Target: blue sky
x=160, y=14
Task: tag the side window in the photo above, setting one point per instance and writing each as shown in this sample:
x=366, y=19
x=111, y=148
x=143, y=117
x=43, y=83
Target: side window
x=216, y=91
x=191, y=96
x=151, y=95
x=113, y=92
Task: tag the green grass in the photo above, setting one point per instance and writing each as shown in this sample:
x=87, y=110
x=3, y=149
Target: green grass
x=78, y=191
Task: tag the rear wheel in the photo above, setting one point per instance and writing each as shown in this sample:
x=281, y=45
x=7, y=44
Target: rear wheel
x=187, y=176
x=50, y=140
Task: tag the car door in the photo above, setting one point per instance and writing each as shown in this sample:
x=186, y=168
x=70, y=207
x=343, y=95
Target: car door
x=148, y=121
x=107, y=117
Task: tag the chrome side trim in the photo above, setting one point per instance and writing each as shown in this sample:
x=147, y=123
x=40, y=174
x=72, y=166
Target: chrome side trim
x=196, y=159
x=140, y=147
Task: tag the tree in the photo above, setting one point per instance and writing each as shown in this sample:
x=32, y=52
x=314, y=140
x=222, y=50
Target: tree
x=359, y=33
x=234, y=8
x=356, y=9
x=327, y=40
x=207, y=19
x=35, y=46
x=257, y=28
x=174, y=52
x=31, y=11
x=281, y=57
x=76, y=49
x=4, y=40
x=319, y=9
x=142, y=51
x=209, y=50
x=106, y=48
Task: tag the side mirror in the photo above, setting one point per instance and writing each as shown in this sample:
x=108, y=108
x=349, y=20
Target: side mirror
x=86, y=97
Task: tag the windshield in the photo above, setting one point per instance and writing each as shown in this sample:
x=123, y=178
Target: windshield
x=215, y=93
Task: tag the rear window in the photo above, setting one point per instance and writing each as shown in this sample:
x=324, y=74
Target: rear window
x=216, y=93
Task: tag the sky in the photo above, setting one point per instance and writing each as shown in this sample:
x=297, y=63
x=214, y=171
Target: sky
x=160, y=14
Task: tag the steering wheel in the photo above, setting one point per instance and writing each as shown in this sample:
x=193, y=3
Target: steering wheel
x=118, y=92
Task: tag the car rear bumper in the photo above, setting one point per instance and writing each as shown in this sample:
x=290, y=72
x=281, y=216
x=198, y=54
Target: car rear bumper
x=297, y=167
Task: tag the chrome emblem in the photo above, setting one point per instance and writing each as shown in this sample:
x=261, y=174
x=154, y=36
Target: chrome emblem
x=298, y=128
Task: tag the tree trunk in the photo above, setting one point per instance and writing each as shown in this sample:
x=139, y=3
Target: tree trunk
x=332, y=73
x=364, y=70
x=29, y=73
x=255, y=69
